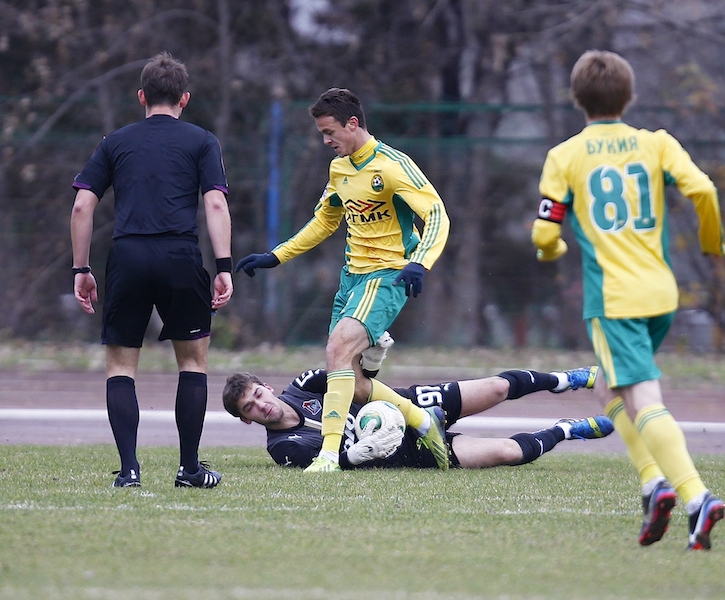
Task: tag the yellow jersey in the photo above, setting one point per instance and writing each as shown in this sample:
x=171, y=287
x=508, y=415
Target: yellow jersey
x=378, y=191
x=610, y=180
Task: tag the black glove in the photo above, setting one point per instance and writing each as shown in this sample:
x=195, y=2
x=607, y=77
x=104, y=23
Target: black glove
x=256, y=261
x=412, y=278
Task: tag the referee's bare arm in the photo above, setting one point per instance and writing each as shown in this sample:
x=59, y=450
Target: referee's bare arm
x=81, y=232
x=219, y=226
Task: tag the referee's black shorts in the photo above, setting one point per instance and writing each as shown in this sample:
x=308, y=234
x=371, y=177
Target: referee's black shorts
x=162, y=271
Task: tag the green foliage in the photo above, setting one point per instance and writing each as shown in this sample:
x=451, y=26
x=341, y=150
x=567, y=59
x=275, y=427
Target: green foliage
x=562, y=526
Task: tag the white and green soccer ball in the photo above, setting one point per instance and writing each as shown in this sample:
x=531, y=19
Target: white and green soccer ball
x=382, y=414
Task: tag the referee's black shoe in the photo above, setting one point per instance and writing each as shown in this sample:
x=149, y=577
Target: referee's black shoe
x=203, y=478
x=133, y=479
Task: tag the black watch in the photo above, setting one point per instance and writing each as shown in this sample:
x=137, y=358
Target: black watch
x=77, y=270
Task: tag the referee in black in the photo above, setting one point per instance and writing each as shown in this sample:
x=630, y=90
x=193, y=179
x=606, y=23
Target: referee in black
x=156, y=167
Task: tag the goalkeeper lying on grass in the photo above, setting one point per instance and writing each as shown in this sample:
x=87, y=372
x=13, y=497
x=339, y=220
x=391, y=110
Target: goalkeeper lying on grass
x=292, y=420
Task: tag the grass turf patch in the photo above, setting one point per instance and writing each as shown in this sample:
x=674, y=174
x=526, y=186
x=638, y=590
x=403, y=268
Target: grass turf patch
x=563, y=526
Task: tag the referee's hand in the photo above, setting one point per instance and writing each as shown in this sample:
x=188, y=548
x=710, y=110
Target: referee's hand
x=85, y=291
x=223, y=289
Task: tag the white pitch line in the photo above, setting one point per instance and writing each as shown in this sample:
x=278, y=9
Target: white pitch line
x=95, y=414
x=223, y=417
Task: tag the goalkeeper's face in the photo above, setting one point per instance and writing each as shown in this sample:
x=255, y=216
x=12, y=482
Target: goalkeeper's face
x=259, y=405
x=343, y=139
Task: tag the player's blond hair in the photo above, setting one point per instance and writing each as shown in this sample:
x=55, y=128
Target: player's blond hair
x=602, y=83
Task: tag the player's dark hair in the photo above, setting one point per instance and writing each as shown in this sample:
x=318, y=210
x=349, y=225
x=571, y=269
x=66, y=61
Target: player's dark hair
x=602, y=83
x=341, y=104
x=163, y=80
x=237, y=385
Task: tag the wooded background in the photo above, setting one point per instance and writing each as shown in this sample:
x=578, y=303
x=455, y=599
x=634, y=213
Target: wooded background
x=475, y=91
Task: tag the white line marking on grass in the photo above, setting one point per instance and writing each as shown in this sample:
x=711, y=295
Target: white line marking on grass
x=533, y=424
x=220, y=416
x=94, y=414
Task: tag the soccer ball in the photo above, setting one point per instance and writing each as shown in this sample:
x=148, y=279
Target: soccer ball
x=382, y=413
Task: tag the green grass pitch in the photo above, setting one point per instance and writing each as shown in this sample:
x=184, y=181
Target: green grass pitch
x=563, y=527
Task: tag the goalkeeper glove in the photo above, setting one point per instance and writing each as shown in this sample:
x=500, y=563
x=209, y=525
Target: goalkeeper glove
x=381, y=444
x=256, y=261
x=412, y=278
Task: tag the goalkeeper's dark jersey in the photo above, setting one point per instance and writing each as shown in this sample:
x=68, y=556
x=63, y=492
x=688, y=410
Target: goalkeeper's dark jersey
x=297, y=446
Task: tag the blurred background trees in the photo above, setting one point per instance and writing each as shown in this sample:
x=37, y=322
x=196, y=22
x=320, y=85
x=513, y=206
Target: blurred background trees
x=474, y=90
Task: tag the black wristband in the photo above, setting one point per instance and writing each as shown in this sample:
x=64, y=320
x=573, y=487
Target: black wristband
x=224, y=265
x=77, y=270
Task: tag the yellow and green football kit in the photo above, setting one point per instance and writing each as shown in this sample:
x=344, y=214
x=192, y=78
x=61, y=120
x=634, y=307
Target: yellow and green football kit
x=610, y=181
x=378, y=191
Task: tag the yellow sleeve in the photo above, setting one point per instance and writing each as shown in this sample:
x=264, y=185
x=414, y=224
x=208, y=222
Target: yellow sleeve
x=546, y=236
x=324, y=222
x=425, y=202
x=435, y=235
x=698, y=187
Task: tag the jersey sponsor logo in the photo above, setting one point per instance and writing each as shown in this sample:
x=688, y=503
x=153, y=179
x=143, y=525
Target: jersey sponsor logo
x=377, y=183
x=550, y=210
x=312, y=406
x=365, y=211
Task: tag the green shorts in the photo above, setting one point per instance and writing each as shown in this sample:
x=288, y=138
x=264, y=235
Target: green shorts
x=371, y=299
x=625, y=348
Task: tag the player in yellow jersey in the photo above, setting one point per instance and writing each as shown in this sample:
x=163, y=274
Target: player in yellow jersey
x=609, y=180
x=378, y=191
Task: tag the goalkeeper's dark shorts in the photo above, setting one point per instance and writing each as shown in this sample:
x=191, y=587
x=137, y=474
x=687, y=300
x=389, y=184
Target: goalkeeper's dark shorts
x=447, y=395
x=163, y=271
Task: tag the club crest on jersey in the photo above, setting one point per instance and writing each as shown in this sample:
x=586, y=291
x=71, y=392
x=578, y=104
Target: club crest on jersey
x=377, y=183
x=312, y=406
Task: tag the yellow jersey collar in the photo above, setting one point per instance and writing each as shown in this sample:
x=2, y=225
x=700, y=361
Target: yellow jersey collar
x=365, y=154
x=605, y=122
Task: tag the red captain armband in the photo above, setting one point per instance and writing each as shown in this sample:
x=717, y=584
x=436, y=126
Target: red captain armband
x=551, y=210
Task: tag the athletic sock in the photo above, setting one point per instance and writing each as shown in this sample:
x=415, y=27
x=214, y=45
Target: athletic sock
x=414, y=415
x=694, y=505
x=666, y=442
x=122, y=406
x=527, y=382
x=534, y=445
x=335, y=406
x=639, y=455
x=191, y=398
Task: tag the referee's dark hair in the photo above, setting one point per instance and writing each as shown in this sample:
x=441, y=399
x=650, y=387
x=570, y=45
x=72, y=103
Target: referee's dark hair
x=163, y=80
